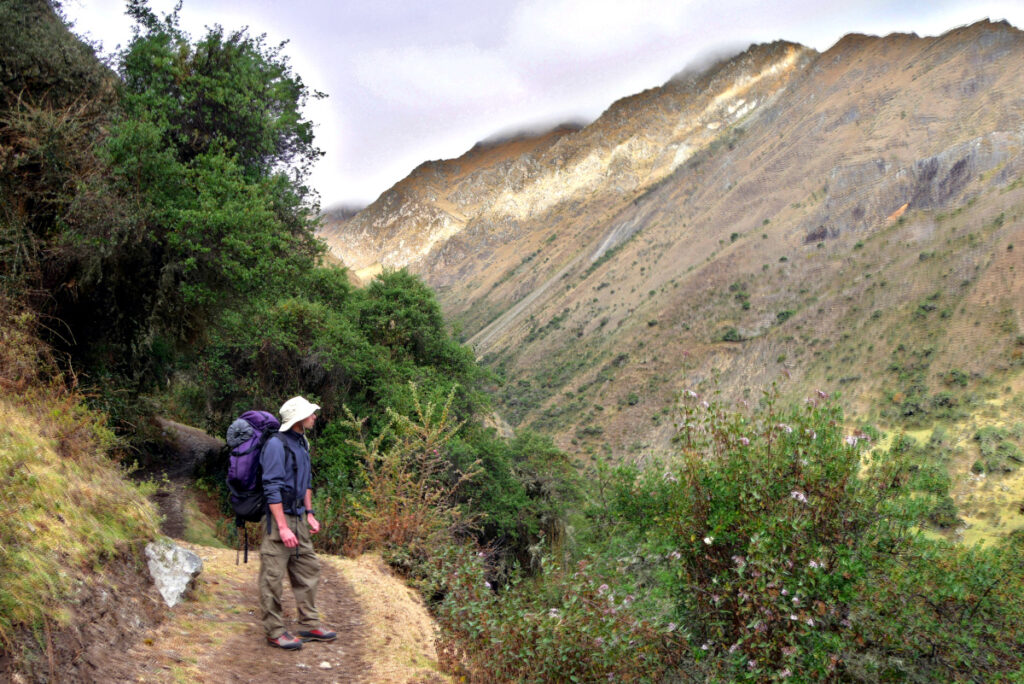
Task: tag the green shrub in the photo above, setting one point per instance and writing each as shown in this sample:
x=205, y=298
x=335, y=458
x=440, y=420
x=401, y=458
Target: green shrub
x=998, y=452
x=782, y=540
x=566, y=625
x=408, y=505
x=731, y=334
x=762, y=550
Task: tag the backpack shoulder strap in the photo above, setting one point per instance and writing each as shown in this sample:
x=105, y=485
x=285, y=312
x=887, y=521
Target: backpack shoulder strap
x=295, y=462
x=284, y=444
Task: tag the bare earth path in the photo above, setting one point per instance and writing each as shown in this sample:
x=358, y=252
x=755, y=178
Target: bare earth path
x=217, y=636
x=384, y=632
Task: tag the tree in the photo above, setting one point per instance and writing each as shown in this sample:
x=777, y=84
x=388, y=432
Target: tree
x=213, y=138
x=229, y=92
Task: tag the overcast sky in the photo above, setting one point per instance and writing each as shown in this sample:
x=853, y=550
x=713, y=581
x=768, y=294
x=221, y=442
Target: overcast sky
x=411, y=81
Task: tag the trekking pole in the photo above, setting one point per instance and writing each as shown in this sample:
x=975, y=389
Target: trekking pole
x=243, y=540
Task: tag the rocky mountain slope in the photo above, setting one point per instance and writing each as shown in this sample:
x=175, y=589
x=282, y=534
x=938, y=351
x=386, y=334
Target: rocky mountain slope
x=846, y=220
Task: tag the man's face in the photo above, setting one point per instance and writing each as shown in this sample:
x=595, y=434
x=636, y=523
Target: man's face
x=307, y=423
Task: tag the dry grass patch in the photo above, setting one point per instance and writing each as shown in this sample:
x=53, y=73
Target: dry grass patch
x=399, y=631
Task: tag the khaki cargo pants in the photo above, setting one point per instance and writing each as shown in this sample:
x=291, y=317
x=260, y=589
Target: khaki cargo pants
x=303, y=570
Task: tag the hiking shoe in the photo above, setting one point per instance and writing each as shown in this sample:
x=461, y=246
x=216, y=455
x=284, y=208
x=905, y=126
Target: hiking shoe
x=318, y=635
x=287, y=641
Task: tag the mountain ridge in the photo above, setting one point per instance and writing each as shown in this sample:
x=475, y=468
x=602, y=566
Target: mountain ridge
x=492, y=193
x=760, y=244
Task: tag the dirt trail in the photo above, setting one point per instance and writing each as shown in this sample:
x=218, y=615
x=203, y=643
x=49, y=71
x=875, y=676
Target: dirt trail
x=173, y=469
x=216, y=636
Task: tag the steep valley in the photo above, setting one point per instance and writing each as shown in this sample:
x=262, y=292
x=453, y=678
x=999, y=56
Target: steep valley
x=843, y=221
x=538, y=453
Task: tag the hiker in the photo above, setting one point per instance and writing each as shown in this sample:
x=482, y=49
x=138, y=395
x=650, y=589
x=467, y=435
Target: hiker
x=288, y=546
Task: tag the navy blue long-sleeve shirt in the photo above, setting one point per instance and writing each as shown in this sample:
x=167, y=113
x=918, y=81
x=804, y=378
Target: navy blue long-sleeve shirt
x=283, y=482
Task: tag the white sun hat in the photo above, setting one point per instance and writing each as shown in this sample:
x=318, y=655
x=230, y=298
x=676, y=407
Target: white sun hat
x=294, y=410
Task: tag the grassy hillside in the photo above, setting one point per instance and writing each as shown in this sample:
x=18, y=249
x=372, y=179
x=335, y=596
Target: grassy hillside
x=73, y=530
x=915, y=321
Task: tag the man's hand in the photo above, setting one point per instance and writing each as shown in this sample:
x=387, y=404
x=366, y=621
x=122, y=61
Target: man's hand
x=314, y=524
x=288, y=538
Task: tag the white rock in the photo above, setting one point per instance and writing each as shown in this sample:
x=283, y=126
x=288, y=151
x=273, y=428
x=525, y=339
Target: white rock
x=325, y=665
x=173, y=569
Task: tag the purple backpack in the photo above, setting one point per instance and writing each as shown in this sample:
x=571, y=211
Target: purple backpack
x=246, y=437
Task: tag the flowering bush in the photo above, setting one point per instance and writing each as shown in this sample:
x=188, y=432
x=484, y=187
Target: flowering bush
x=782, y=547
x=564, y=625
x=768, y=516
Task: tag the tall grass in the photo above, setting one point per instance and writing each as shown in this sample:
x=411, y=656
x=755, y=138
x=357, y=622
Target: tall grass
x=66, y=506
